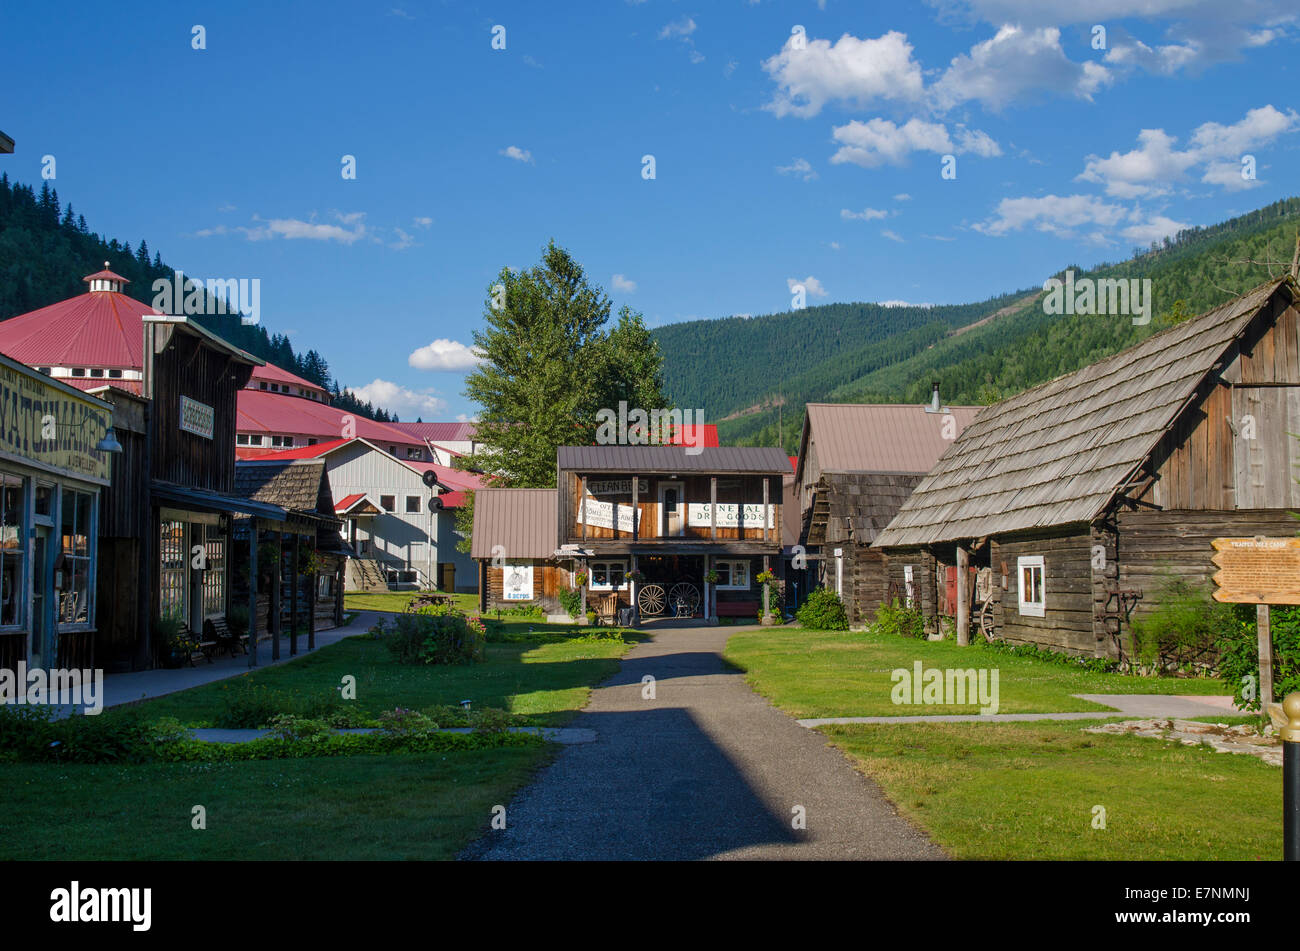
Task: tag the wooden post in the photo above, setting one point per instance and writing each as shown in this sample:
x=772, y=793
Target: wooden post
x=707, y=607
x=583, y=563
x=274, y=620
x=963, y=595
x=1262, y=620
x=767, y=609
x=252, y=591
x=294, y=590
x=312, y=581
x=636, y=512
x=635, y=586
x=765, y=520
x=713, y=508
x=582, y=490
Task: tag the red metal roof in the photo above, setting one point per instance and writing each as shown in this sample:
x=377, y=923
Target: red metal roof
x=457, y=478
x=105, y=275
x=708, y=432
x=438, y=432
x=347, y=502
x=451, y=500
x=98, y=382
x=95, y=329
x=274, y=374
x=298, y=452
x=263, y=412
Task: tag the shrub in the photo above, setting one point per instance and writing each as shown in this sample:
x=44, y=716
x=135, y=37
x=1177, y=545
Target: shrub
x=287, y=727
x=1182, y=632
x=898, y=620
x=823, y=611
x=33, y=734
x=490, y=720
x=403, y=721
x=775, y=602
x=1238, y=648
x=447, y=715
x=432, y=639
x=1093, y=665
x=571, y=601
x=248, y=705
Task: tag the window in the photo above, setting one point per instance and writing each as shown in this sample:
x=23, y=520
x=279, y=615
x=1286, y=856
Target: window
x=262, y=385
x=412, y=503
x=171, y=564
x=285, y=441
x=412, y=453
x=241, y=439
x=96, y=372
x=1033, y=596
x=608, y=575
x=732, y=575
x=74, y=598
x=311, y=441
x=214, y=574
x=78, y=371
x=392, y=450
x=13, y=542
x=388, y=503
x=115, y=374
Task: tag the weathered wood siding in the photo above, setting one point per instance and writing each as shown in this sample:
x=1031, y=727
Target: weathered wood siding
x=548, y=579
x=1067, y=623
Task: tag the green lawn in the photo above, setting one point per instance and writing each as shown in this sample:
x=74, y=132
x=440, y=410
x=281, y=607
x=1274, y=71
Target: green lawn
x=1027, y=791
x=828, y=674
x=396, y=601
x=425, y=806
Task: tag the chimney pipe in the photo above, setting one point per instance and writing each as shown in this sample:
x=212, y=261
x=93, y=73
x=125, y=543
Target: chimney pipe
x=935, y=406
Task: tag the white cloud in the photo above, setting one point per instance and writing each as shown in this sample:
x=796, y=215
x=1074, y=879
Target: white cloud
x=406, y=402
x=866, y=214
x=902, y=303
x=422, y=222
x=1061, y=215
x=893, y=236
x=1014, y=63
x=902, y=196
x=1156, y=165
x=1153, y=229
x=403, y=241
x=852, y=70
x=683, y=27
x=518, y=154
x=810, y=284
x=835, y=245
x=443, y=354
x=312, y=230
x=800, y=168
x=879, y=141
x=621, y=283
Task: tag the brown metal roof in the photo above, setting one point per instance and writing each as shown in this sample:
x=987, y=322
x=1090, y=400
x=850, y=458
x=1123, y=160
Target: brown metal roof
x=875, y=437
x=524, y=522
x=673, y=459
x=1057, y=453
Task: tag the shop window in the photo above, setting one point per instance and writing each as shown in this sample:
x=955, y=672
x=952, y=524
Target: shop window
x=171, y=577
x=608, y=575
x=1033, y=596
x=388, y=503
x=78, y=533
x=115, y=374
x=13, y=545
x=412, y=503
x=732, y=575
x=214, y=574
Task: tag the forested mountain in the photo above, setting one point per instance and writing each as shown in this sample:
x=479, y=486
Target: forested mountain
x=866, y=353
x=46, y=250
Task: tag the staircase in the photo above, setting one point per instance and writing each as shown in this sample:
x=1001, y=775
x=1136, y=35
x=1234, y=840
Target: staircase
x=365, y=575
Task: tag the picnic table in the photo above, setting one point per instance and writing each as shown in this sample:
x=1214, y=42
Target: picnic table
x=428, y=598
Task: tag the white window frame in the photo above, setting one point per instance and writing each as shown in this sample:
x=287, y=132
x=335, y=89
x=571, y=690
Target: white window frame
x=622, y=563
x=1030, y=608
x=730, y=565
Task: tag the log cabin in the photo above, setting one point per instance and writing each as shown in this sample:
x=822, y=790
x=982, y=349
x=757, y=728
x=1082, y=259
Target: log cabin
x=858, y=463
x=1060, y=514
x=513, y=541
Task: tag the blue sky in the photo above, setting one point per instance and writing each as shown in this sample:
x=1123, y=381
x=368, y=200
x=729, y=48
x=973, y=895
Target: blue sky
x=779, y=157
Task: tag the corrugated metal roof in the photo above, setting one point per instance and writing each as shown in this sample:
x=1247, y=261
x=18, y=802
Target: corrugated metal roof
x=447, y=432
x=524, y=522
x=96, y=329
x=673, y=459
x=1057, y=453
x=263, y=412
x=876, y=437
x=274, y=374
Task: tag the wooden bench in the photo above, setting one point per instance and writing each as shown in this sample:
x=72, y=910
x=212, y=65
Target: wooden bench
x=737, y=608
x=216, y=631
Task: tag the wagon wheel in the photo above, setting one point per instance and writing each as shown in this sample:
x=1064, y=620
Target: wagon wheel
x=986, y=620
x=650, y=600
x=688, y=594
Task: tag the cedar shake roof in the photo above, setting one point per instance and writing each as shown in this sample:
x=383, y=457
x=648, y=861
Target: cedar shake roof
x=876, y=437
x=673, y=459
x=297, y=485
x=522, y=521
x=1058, y=453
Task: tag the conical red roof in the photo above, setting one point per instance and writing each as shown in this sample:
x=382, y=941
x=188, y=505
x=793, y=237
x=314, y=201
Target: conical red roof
x=95, y=329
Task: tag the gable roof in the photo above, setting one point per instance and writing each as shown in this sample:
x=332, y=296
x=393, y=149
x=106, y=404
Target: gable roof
x=524, y=522
x=879, y=437
x=297, y=485
x=261, y=411
x=274, y=374
x=357, y=500
x=438, y=432
x=1059, y=452
x=95, y=329
x=672, y=459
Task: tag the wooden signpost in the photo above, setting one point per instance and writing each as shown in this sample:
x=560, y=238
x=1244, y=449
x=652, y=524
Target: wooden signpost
x=1259, y=571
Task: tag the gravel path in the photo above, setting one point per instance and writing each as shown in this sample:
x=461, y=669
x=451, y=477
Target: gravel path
x=706, y=769
x=1147, y=705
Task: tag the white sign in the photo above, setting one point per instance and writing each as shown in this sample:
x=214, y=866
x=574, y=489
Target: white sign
x=601, y=514
x=698, y=515
x=196, y=417
x=517, y=583
x=618, y=487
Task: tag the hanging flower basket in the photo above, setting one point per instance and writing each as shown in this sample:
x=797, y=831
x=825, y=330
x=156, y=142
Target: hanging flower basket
x=711, y=577
x=636, y=576
x=765, y=577
x=580, y=579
